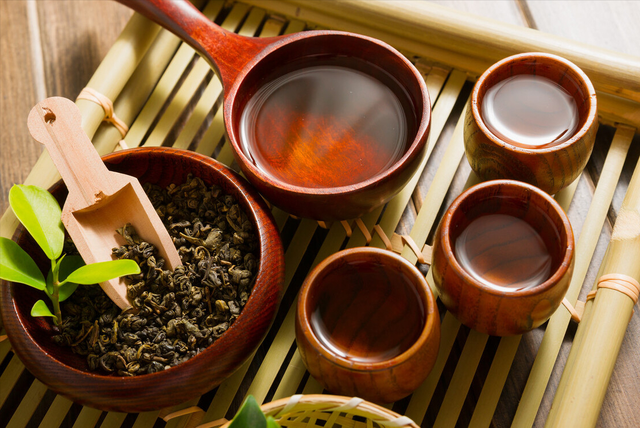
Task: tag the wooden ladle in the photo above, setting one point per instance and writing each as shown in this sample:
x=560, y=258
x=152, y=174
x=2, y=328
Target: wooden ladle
x=99, y=201
x=315, y=173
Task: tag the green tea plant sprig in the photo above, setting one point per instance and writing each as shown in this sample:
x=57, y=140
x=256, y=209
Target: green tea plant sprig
x=39, y=213
x=250, y=416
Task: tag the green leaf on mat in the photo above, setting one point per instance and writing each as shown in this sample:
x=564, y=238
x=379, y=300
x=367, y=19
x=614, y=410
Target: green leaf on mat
x=103, y=271
x=40, y=309
x=39, y=212
x=18, y=266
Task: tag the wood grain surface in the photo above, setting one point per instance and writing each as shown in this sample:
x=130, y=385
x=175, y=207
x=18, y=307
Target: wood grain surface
x=51, y=48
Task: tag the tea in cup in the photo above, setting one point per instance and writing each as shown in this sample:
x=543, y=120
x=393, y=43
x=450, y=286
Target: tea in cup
x=367, y=325
x=532, y=117
x=503, y=257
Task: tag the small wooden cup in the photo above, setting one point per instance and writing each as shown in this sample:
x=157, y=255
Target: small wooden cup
x=550, y=168
x=367, y=325
x=503, y=311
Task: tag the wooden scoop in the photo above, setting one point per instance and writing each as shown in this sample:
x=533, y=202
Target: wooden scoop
x=99, y=201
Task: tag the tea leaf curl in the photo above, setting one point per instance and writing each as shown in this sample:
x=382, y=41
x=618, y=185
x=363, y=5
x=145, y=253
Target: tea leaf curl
x=39, y=212
x=17, y=266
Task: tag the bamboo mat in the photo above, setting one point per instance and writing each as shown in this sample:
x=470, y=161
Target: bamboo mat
x=172, y=98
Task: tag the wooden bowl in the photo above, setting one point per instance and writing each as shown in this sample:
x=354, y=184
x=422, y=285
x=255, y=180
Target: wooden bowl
x=367, y=325
x=331, y=177
x=67, y=373
x=550, y=168
x=503, y=257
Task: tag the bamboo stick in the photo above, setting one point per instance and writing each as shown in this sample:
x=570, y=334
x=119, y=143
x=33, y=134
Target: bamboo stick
x=227, y=390
x=422, y=396
x=292, y=377
x=10, y=377
x=584, y=383
x=137, y=90
x=462, y=377
x=166, y=84
x=586, y=245
x=56, y=413
x=88, y=417
x=494, y=383
x=486, y=39
x=28, y=404
x=471, y=44
x=124, y=56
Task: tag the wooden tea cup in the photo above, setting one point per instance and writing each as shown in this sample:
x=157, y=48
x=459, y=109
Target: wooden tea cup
x=550, y=168
x=367, y=325
x=479, y=304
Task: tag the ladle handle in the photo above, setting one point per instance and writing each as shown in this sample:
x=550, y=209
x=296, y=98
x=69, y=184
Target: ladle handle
x=56, y=123
x=226, y=51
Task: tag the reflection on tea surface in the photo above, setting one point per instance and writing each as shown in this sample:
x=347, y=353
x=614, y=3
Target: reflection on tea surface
x=503, y=252
x=530, y=111
x=325, y=125
x=367, y=312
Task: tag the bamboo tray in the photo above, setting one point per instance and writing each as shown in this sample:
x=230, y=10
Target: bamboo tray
x=169, y=96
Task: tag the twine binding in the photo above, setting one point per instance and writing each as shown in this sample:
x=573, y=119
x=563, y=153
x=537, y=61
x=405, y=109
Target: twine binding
x=395, y=244
x=103, y=101
x=613, y=281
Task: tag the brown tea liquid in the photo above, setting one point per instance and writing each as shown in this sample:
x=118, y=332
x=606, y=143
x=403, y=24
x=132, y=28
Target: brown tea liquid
x=366, y=313
x=326, y=125
x=530, y=111
x=503, y=252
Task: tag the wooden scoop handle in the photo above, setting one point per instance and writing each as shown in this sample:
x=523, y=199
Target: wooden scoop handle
x=56, y=123
x=226, y=51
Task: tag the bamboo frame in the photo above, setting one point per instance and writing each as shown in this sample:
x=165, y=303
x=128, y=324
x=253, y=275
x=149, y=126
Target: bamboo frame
x=471, y=44
x=580, y=397
x=142, y=100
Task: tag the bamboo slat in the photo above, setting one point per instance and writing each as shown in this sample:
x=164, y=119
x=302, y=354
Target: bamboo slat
x=586, y=245
x=28, y=405
x=124, y=56
x=469, y=43
x=591, y=361
x=171, y=97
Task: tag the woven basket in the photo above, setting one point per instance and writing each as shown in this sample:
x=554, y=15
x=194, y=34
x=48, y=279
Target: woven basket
x=307, y=411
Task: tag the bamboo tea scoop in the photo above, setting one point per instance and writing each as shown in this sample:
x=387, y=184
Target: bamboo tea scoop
x=99, y=201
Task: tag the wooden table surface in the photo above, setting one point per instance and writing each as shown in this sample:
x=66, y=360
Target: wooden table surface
x=53, y=47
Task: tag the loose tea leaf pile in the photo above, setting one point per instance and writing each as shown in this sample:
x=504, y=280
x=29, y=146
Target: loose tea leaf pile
x=177, y=314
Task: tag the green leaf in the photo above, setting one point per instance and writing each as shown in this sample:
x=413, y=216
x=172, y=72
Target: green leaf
x=40, y=309
x=103, y=271
x=249, y=416
x=67, y=265
x=271, y=423
x=66, y=290
x=39, y=212
x=17, y=266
